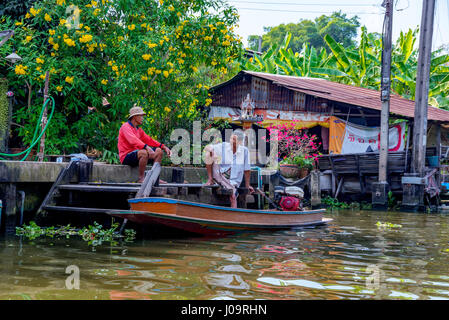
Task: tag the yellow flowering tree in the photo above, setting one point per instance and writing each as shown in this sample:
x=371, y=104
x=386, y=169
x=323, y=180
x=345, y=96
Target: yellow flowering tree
x=147, y=52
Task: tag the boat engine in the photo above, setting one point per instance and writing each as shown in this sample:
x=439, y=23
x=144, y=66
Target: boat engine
x=289, y=198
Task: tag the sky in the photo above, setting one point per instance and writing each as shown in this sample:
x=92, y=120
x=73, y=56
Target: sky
x=257, y=14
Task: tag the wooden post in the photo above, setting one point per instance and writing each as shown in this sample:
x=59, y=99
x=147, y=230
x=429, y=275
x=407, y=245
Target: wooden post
x=421, y=94
x=385, y=91
x=380, y=189
x=44, y=119
x=438, y=145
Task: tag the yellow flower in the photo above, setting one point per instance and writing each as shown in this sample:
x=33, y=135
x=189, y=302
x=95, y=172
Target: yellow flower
x=60, y=2
x=51, y=32
x=42, y=76
x=199, y=85
x=151, y=45
x=161, y=42
x=94, y=3
x=62, y=22
x=35, y=12
x=179, y=115
x=213, y=62
x=171, y=8
x=208, y=102
x=86, y=38
x=132, y=27
x=56, y=47
x=69, y=42
x=59, y=88
x=38, y=68
x=178, y=14
x=27, y=16
x=96, y=12
x=20, y=69
x=19, y=23
x=146, y=56
x=114, y=68
x=161, y=2
x=167, y=109
x=195, y=69
x=87, y=28
x=166, y=73
x=69, y=79
x=158, y=71
x=28, y=38
x=39, y=60
x=104, y=81
x=144, y=78
x=47, y=17
x=166, y=38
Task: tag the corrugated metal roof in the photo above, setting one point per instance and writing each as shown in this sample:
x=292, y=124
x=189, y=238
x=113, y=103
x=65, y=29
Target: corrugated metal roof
x=344, y=93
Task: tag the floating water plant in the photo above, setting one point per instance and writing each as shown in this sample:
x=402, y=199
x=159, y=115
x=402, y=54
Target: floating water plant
x=387, y=225
x=94, y=234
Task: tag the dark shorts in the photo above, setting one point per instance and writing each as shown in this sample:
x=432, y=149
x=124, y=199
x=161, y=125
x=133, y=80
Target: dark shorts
x=132, y=160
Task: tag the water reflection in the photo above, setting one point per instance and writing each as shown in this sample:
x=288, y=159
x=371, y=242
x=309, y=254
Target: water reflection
x=350, y=259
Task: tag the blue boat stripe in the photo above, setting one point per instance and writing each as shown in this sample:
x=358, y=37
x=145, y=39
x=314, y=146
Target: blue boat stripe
x=204, y=205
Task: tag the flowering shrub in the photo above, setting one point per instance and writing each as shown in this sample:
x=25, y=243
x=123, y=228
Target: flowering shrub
x=149, y=52
x=295, y=146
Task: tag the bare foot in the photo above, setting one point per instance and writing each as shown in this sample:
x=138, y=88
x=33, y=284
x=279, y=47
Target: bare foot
x=209, y=183
x=162, y=181
x=140, y=180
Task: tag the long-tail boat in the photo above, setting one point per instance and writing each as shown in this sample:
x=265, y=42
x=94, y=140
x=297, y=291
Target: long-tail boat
x=209, y=219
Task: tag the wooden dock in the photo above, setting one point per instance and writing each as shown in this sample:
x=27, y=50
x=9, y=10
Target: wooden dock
x=80, y=195
x=354, y=173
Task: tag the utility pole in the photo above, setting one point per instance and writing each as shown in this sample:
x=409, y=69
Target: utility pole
x=413, y=184
x=380, y=189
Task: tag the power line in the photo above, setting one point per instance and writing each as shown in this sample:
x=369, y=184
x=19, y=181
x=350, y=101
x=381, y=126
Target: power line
x=307, y=4
x=305, y=11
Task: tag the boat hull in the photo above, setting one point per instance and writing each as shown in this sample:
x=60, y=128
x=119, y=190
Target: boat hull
x=209, y=219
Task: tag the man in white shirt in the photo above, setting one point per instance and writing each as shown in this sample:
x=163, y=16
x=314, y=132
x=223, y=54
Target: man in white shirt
x=227, y=163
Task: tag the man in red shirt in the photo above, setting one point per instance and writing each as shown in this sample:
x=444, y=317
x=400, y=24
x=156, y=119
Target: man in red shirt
x=135, y=147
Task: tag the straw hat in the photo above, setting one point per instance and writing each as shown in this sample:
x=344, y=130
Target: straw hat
x=136, y=111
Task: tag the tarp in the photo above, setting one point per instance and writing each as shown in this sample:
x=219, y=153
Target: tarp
x=346, y=137
x=274, y=117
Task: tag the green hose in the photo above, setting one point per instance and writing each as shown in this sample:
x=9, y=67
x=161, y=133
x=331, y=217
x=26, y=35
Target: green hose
x=36, y=130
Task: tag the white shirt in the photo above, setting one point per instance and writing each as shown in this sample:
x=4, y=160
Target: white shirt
x=238, y=162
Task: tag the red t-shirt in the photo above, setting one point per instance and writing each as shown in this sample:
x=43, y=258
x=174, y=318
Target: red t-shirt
x=131, y=138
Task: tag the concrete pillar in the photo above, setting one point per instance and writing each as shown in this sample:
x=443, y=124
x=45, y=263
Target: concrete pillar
x=315, y=189
x=412, y=189
x=9, y=199
x=380, y=195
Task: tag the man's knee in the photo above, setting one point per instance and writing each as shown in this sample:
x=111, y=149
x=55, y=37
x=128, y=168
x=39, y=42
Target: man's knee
x=142, y=154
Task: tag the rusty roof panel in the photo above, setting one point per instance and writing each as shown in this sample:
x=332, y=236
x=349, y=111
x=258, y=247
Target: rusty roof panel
x=367, y=98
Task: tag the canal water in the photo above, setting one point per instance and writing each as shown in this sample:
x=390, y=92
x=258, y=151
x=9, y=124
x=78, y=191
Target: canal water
x=352, y=258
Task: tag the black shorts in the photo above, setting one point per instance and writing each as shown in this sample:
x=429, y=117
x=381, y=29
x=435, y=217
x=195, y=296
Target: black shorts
x=132, y=160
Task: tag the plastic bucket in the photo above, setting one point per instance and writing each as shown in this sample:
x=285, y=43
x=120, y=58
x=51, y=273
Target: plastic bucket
x=433, y=161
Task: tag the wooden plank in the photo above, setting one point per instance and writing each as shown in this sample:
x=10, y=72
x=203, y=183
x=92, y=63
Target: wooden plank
x=99, y=188
x=64, y=176
x=79, y=209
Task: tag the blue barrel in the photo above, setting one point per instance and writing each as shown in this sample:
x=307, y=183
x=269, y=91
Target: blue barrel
x=433, y=161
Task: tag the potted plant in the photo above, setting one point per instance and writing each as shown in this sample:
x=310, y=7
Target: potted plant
x=297, y=150
x=289, y=168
